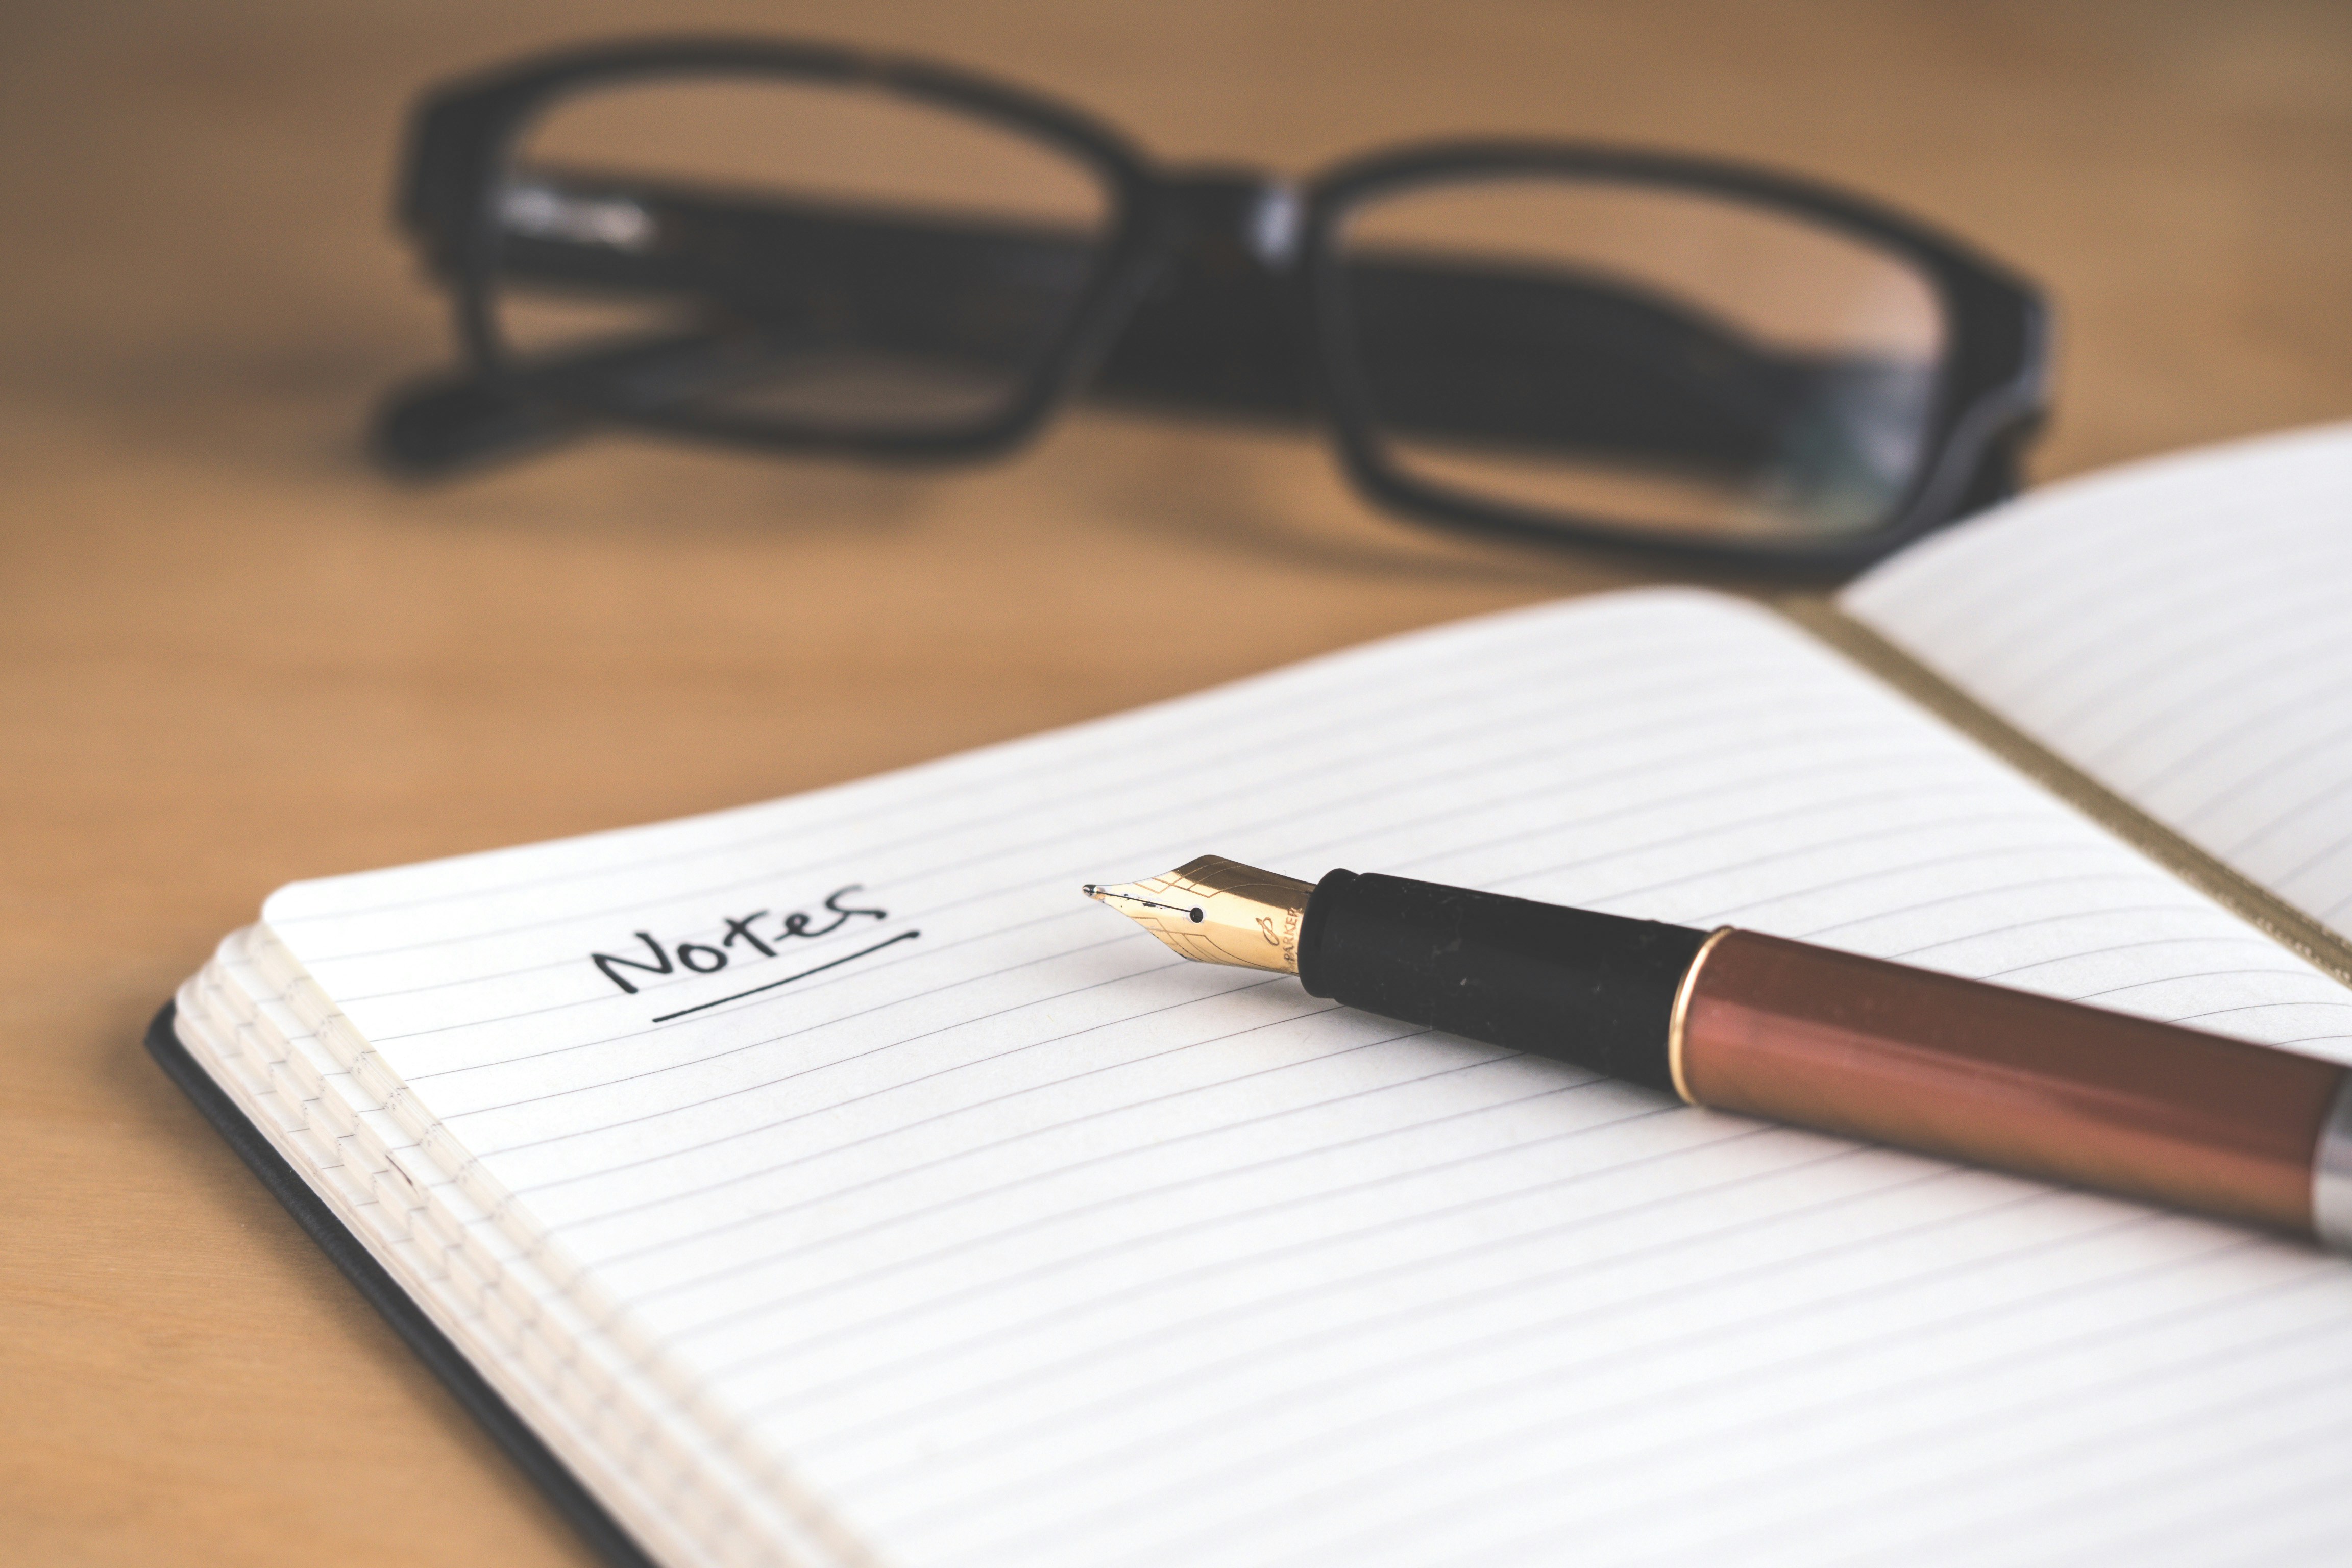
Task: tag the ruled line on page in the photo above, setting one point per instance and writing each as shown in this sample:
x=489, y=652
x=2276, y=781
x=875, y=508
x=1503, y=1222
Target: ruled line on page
x=1127, y=1243
x=969, y=1196
x=1213, y=1482
x=2205, y=748
x=2176, y=1483
x=2122, y=910
x=900, y=1130
x=1277, y=1351
x=2135, y=1380
x=2273, y=585
x=1063, y=1417
x=1696, y=1446
x=1143, y=1197
x=1699, y=1447
x=1156, y=1192
x=1706, y=1449
x=1798, y=852
x=2103, y=646
x=2094, y=1465
x=2279, y=657
x=1693, y=1445
x=2328, y=798
x=1160, y=1191
x=1268, y=1356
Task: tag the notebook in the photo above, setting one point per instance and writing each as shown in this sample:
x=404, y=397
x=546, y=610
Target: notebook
x=827, y=1182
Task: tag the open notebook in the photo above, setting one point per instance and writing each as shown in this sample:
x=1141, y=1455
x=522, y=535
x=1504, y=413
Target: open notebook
x=827, y=1182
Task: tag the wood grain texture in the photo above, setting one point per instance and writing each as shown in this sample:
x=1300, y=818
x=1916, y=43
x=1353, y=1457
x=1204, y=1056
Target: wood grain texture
x=231, y=654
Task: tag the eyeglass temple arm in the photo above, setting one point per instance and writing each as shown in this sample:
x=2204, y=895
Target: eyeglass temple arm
x=1219, y=336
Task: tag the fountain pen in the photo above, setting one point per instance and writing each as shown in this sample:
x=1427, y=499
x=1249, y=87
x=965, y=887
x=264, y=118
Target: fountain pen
x=1738, y=1021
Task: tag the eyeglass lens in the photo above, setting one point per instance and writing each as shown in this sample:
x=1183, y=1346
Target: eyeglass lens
x=771, y=251
x=1652, y=358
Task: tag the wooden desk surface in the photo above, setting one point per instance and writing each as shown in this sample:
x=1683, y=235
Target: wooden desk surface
x=235, y=655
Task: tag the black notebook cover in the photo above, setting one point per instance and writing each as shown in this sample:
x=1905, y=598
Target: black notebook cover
x=509, y=1430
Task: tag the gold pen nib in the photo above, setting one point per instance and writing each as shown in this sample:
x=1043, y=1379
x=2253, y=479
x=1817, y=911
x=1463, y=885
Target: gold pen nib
x=1215, y=910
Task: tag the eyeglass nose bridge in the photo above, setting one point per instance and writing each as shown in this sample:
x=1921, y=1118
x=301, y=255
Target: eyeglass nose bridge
x=1221, y=330
x=1227, y=219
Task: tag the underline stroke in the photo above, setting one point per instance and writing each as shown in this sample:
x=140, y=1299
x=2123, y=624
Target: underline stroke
x=787, y=980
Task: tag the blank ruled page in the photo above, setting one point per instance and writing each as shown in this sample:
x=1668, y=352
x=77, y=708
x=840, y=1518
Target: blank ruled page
x=2181, y=630
x=1019, y=1241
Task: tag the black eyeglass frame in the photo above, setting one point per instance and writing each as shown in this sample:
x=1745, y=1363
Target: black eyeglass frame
x=1990, y=399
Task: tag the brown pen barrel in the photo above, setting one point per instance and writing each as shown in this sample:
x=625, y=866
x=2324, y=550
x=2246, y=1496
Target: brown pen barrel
x=1899, y=1056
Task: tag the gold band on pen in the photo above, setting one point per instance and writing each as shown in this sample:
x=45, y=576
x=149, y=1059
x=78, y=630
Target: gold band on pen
x=1681, y=1014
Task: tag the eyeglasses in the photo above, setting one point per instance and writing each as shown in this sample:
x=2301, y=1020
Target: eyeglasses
x=806, y=249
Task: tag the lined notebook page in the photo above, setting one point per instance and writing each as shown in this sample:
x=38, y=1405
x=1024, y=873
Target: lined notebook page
x=1014, y=1240
x=2181, y=630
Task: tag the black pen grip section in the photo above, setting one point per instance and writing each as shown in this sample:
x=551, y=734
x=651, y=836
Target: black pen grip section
x=1593, y=989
